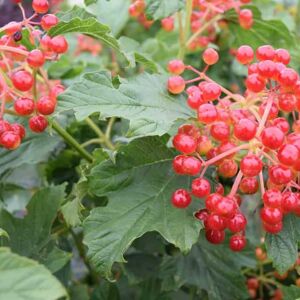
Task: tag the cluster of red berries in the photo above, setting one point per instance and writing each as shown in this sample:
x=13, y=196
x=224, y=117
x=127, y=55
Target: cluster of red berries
x=243, y=136
x=204, y=18
x=24, y=86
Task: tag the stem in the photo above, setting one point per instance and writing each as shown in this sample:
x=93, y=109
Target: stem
x=236, y=184
x=99, y=132
x=90, y=142
x=181, y=36
x=109, y=127
x=14, y=50
x=261, y=180
x=265, y=115
x=70, y=140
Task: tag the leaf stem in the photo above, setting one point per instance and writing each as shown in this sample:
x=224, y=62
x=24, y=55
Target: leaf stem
x=70, y=140
x=91, y=141
x=181, y=36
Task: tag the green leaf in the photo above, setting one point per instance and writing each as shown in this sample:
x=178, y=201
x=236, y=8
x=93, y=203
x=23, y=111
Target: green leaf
x=22, y=278
x=106, y=291
x=79, y=20
x=143, y=100
x=34, y=149
x=28, y=236
x=104, y=10
x=215, y=269
x=89, y=2
x=139, y=186
x=291, y=292
x=159, y=9
x=271, y=32
x=4, y=233
x=282, y=248
x=72, y=212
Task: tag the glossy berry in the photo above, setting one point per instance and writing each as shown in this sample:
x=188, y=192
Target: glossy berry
x=266, y=68
x=10, y=140
x=251, y=165
x=59, y=44
x=237, y=223
x=4, y=126
x=290, y=202
x=177, y=164
x=24, y=106
x=176, y=84
x=271, y=215
x=185, y=143
x=46, y=105
x=211, y=91
x=245, y=55
x=35, y=58
x=255, y=83
x=288, y=77
x=245, y=130
x=19, y=130
x=226, y=207
x=38, y=124
x=200, y=187
x=237, y=243
x=202, y=214
x=40, y=6
x=212, y=200
x=22, y=80
x=272, y=198
x=191, y=165
x=280, y=175
x=246, y=18
x=48, y=21
x=207, y=113
x=273, y=228
x=176, y=66
x=210, y=56
x=215, y=222
x=228, y=168
x=272, y=137
x=265, y=52
x=181, y=198
x=287, y=102
x=282, y=56
x=249, y=185
x=215, y=236
x=220, y=131
x=288, y=154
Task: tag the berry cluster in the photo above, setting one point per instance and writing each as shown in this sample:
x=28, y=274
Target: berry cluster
x=24, y=87
x=247, y=137
x=204, y=19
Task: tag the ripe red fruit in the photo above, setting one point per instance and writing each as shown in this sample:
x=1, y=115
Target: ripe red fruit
x=220, y=131
x=24, y=106
x=290, y=202
x=288, y=77
x=288, y=154
x=12, y=28
x=287, y=102
x=272, y=198
x=266, y=68
x=252, y=283
x=280, y=175
x=177, y=164
x=282, y=124
x=282, y=56
x=249, y=185
x=215, y=222
x=245, y=130
x=228, y=168
x=35, y=58
x=212, y=200
x=176, y=84
x=18, y=129
x=202, y=214
x=207, y=113
x=200, y=187
x=168, y=24
x=4, y=126
x=40, y=6
x=10, y=140
x=215, y=236
x=48, y=21
x=245, y=55
x=211, y=91
x=271, y=215
x=272, y=137
x=237, y=243
x=194, y=97
x=246, y=18
x=176, y=66
x=56, y=91
x=251, y=165
x=38, y=124
x=210, y=56
x=191, y=165
x=22, y=80
x=226, y=207
x=46, y=105
x=237, y=223
x=58, y=44
x=184, y=143
x=181, y=198
x=190, y=130
x=265, y=52
x=273, y=228
x=255, y=83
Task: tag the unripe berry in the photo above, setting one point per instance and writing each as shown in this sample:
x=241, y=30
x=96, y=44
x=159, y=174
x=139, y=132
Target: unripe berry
x=176, y=84
x=40, y=6
x=24, y=106
x=210, y=56
x=181, y=198
x=38, y=124
x=176, y=66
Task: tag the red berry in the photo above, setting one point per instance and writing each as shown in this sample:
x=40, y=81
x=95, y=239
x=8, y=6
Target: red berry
x=46, y=105
x=226, y=207
x=245, y=130
x=38, y=124
x=210, y=56
x=10, y=140
x=289, y=202
x=245, y=55
x=228, y=168
x=280, y=175
x=181, y=198
x=48, y=21
x=251, y=165
x=220, y=131
x=271, y=215
x=287, y=102
x=18, y=129
x=215, y=236
x=273, y=111
x=56, y=91
x=211, y=91
x=272, y=137
x=202, y=214
x=249, y=185
x=282, y=124
x=282, y=56
x=24, y=106
x=168, y=24
x=177, y=164
x=265, y=52
x=194, y=97
x=4, y=126
x=184, y=143
x=191, y=165
x=22, y=80
x=215, y=222
x=40, y=6
x=212, y=200
x=237, y=223
x=237, y=243
x=35, y=58
x=200, y=187
x=12, y=28
x=288, y=154
x=246, y=18
x=273, y=228
x=58, y=44
x=176, y=84
x=288, y=77
x=266, y=68
x=272, y=198
x=207, y=113
x=176, y=66
x=255, y=83
x=252, y=283
x=190, y=130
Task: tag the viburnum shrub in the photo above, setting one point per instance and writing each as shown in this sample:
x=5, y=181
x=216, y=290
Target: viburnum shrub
x=26, y=89
x=243, y=136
